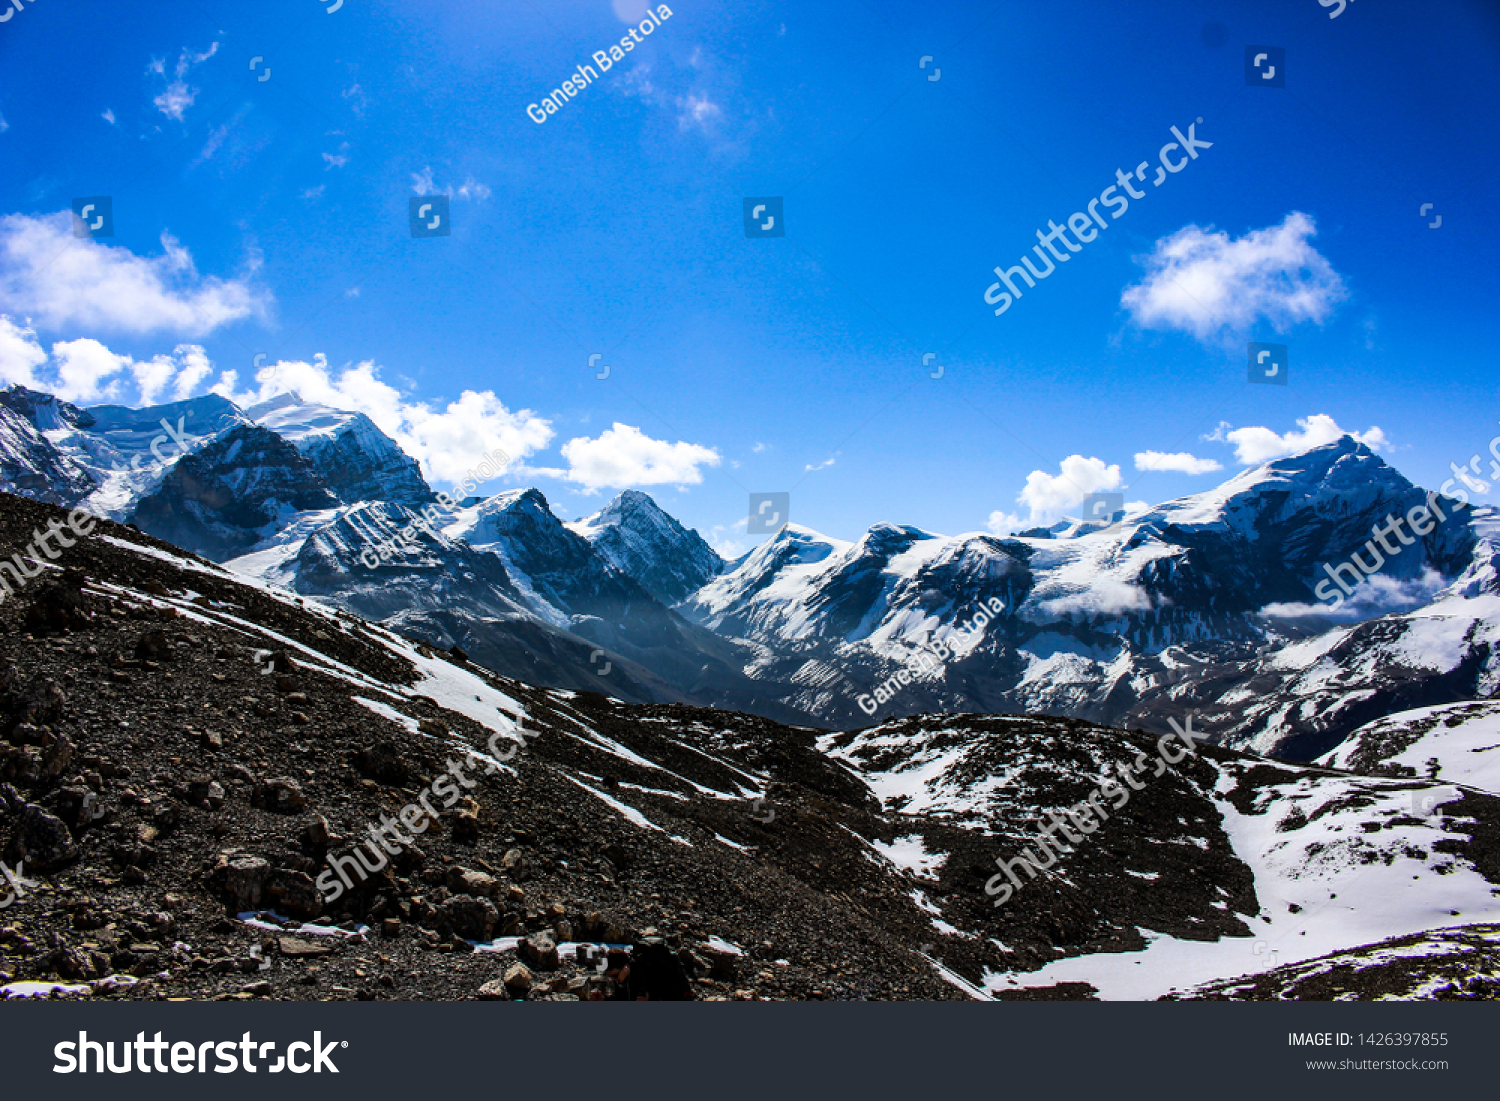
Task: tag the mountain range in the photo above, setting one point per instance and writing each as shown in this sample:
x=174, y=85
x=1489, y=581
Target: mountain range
x=1206, y=605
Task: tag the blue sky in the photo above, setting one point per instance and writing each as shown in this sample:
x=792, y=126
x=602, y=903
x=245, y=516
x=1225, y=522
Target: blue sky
x=272, y=217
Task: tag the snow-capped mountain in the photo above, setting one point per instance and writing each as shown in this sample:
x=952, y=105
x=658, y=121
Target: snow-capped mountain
x=357, y=460
x=559, y=571
x=107, y=457
x=645, y=544
x=30, y=465
x=1303, y=697
x=237, y=491
x=1208, y=604
x=1134, y=621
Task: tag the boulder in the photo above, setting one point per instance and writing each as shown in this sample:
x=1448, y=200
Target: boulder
x=517, y=979
x=153, y=646
x=294, y=894
x=281, y=794
x=468, y=917
x=41, y=840
x=317, y=831
x=295, y=949
x=242, y=880
x=466, y=881
x=539, y=950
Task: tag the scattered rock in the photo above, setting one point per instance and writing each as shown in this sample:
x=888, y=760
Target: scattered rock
x=517, y=978
x=465, y=881
x=539, y=950
x=294, y=894
x=154, y=646
x=295, y=949
x=281, y=794
x=383, y=761
x=242, y=880
x=468, y=917
x=41, y=840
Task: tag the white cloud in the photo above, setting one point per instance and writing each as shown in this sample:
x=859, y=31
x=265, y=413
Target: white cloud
x=423, y=183
x=175, y=101
x=195, y=368
x=1180, y=461
x=82, y=366
x=624, y=456
x=152, y=376
x=1105, y=596
x=700, y=111
x=20, y=355
x=179, y=95
x=758, y=448
x=630, y=11
x=1048, y=495
x=62, y=282
x=4, y=126
x=182, y=372
x=825, y=464
x=472, y=189
x=313, y=193
x=1256, y=444
x=1376, y=595
x=339, y=159
x=108, y=116
x=216, y=138
x=357, y=101
x=86, y=371
x=1004, y=523
x=1216, y=288
x=447, y=441
x=719, y=537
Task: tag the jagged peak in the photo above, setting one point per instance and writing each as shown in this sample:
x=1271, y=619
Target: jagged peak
x=529, y=499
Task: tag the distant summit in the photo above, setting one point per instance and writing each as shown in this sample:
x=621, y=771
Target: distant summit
x=643, y=542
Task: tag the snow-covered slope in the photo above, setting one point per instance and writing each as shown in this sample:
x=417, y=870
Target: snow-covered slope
x=553, y=567
x=1457, y=743
x=517, y=590
x=1302, y=698
x=1264, y=863
x=1461, y=963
